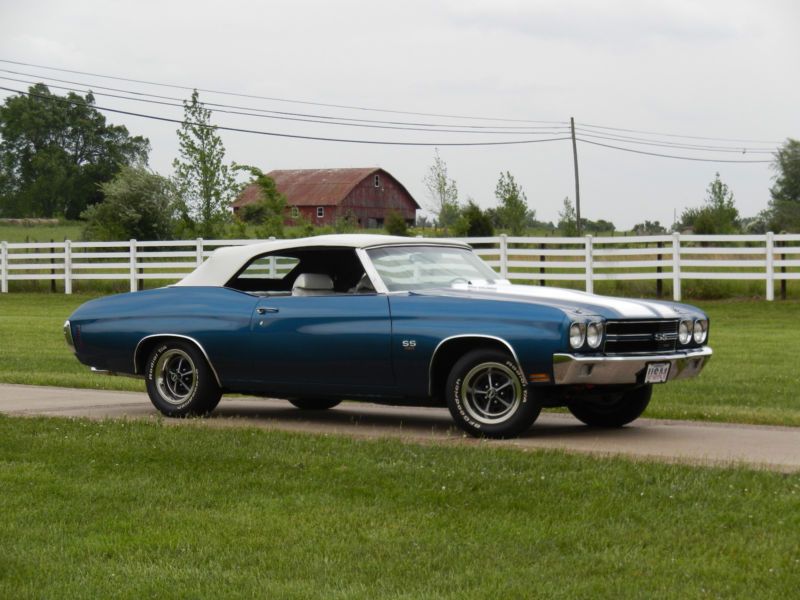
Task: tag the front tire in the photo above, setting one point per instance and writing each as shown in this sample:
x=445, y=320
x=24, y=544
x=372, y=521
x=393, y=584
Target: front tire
x=313, y=403
x=487, y=395
x=614, y=410
x=179, y=381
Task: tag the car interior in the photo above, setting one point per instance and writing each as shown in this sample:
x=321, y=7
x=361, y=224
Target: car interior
x=304, y=272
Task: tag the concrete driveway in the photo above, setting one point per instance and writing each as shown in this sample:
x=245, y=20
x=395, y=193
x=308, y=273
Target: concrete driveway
x=768, y=447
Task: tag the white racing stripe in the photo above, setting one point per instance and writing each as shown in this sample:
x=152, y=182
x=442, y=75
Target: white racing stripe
x=632, y=309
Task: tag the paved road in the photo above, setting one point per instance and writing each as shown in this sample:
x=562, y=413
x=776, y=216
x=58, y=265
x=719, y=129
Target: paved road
x=775, y=448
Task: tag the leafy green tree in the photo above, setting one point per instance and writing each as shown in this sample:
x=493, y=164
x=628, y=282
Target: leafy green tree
x=513, y=213
x=473, y=222
x=443, y=193
x=718, y=215
x=205, y=183
x=138, y=204
x=55, y=152
x=567, y=219
x=395, y=224
x=784, y=205
x=270, y=211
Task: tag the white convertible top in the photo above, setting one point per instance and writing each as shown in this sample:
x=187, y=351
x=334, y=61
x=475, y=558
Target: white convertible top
x=225, y=262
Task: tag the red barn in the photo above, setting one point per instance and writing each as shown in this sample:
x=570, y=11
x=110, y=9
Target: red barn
x=324, y=195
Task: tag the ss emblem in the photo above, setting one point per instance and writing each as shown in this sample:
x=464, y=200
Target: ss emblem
x=409, y=344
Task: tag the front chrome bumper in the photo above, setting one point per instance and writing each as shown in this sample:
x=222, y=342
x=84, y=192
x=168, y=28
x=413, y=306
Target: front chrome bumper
x=569, y=369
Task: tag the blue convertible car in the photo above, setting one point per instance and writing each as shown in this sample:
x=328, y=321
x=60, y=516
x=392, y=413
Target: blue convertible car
x=394, y=320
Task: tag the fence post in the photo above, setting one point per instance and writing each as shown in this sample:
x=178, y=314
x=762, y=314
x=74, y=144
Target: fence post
x=770, y=271
x=659, y=281
x=783, y=270
x=542, y=258
x=67, y=267
x=676, y=266
x=133, y=265
x=199, y=249
x=589, y=265
x=504, y=256
x=4, y=272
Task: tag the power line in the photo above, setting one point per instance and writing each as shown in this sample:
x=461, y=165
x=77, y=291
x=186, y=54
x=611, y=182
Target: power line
x=693, y=158
x=675, y=135
x=286, y=135
x=324, y=121
x=694, y=147
x=277, y=99
x=91, y=86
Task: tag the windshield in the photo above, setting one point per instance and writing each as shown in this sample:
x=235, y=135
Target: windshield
x=422, y=267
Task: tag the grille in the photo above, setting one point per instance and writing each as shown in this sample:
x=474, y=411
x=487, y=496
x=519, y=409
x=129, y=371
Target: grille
x=636, y=337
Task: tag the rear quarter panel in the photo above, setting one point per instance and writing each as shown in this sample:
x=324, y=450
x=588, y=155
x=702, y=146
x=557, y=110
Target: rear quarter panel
x=107, y=330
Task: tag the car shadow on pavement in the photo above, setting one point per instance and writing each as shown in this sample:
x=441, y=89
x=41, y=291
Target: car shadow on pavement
x=428, y=421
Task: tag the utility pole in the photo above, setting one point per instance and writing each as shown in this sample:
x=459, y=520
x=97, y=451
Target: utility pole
x=577, y=182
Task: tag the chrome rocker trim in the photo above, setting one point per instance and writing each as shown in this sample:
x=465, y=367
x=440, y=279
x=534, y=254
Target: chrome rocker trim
x=569, y=369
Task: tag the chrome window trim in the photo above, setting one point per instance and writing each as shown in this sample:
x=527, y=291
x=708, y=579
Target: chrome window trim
x=180, y=336
x=468, y=335
x=371, y=271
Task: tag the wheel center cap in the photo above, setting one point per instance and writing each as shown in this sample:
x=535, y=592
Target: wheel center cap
x=491, y=394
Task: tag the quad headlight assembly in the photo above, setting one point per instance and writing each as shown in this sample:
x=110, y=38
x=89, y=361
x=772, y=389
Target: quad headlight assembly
x=586, y=334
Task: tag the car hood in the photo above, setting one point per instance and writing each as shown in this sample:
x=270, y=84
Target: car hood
x=571, y=301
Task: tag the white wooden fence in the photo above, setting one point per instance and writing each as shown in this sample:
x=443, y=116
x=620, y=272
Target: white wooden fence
x=769, y=258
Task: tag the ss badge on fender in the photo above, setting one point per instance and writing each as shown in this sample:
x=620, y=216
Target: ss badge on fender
x=409, y=344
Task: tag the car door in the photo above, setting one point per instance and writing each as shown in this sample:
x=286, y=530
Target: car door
x=330, y=344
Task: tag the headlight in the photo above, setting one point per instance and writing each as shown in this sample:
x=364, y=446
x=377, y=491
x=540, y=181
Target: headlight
x=700, y=331
x=685, y=332
x=594, y=335
x=577, y=335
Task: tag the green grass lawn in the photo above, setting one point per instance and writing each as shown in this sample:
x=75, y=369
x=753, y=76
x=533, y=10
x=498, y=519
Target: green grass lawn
x=752, y=378
x=135, y=510
x=68, y=230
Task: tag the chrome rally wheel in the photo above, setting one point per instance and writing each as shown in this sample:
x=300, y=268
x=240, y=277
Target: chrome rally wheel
x=176, y=376
x=179, y=381
x=491, y=392
x=487, y=395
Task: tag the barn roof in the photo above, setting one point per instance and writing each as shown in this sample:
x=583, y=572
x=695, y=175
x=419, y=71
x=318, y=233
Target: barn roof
x=314, y=187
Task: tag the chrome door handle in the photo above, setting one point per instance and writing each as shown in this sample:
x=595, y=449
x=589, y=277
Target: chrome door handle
x=262, y=310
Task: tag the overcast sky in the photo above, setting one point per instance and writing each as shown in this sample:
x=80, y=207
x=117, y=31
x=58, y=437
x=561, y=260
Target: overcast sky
x=717, y=69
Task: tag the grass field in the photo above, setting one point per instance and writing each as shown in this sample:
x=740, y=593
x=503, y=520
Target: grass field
x=132, y=510
x=752, y=378
x=68, y=230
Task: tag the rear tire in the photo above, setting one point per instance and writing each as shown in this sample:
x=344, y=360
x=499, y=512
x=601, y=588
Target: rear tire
x=613, y=410
x=487, y=395
x=179, y=381
x=313, y=403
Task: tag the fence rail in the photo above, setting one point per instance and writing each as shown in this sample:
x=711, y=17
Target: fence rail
x=771, y=258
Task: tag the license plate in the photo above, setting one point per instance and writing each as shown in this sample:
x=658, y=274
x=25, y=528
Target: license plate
x=657, y=372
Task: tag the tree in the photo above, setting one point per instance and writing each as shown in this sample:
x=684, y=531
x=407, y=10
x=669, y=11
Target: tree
x=443, y=192
x=56, y=151
x=512, y=213
x=784, y=205
x=718, y=215
x=473, y=222
x=270, y=210
x=138, y=204
x=204, y=181
x=649, y=228
x=395, y=224
x=567, y=219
